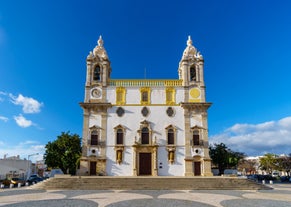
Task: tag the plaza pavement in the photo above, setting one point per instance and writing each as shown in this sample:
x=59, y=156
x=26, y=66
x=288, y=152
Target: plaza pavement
x=280, y=196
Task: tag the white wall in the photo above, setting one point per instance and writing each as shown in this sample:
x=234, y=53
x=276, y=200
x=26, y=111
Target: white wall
x=158, y=119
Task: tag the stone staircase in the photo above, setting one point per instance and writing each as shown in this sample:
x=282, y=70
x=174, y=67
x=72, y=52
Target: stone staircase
x=147, y=183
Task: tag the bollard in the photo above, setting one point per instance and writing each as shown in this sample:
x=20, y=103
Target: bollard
x=19, y=185
x=263, y=181
x=2, y=186
x=271, y=182
x=11, y=185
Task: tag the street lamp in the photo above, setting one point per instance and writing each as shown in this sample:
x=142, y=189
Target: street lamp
x=28, y=164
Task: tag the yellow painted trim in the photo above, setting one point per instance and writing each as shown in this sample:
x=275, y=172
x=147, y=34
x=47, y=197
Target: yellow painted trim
x=170, y=96
x=147, y=105
x=145, y=96
x=195, y=100
x=145, y=83
x=120, y=96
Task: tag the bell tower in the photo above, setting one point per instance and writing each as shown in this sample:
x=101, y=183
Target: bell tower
x=190, y=71
x=95, y=105
x=195, y=108
x=98, y=72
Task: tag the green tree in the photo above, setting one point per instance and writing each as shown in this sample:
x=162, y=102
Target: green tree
x=284, y=163
x=223, y=157
x=64, y=152
x=269, y=162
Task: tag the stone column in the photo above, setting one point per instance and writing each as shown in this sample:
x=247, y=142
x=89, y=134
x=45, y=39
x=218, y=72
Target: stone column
x=134, y=162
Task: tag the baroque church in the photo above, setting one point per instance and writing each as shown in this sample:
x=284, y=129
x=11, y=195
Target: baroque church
x=145, y=127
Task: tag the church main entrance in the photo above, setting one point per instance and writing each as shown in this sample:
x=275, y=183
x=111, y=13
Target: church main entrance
x=145, y=163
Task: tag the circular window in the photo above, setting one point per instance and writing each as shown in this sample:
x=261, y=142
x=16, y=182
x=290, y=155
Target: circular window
x=170, y=111
x=120, y=111
x=93, y=151
x=145, y=111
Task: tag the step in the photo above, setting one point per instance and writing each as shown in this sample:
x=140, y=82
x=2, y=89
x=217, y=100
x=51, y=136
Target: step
x=149, y=183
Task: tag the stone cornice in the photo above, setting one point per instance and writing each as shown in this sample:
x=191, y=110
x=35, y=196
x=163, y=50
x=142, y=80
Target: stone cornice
x=190, y=105
x=95, y=105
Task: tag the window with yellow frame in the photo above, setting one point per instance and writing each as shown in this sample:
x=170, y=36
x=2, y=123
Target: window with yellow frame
x=145, y=98
x=120, y=96
x=170, y=96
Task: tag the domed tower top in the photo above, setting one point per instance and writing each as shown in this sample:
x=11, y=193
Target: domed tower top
x=98, y=65
x=191, y=65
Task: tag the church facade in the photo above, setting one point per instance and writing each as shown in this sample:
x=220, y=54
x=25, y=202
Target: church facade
x=145, y=127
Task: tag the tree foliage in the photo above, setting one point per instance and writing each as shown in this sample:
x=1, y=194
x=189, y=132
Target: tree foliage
x=247, y=166
x=223, y=157
x=269, y=162
x=64, y=152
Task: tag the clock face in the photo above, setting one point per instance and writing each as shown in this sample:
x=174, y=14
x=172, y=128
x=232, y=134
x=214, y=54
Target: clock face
x=96, y=93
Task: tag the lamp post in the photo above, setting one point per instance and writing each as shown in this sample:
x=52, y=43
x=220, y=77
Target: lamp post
x=28, y=164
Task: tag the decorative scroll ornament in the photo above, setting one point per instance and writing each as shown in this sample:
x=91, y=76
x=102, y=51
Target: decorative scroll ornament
x=190, y=52
x=99, y=50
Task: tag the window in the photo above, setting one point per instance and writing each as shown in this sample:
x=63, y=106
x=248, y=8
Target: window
x=145, y=135
x=193, y=73
x=119, y=136
x=145, y=111
x=171, y=137
x=145, y=96
x=170, y=111
x=120, y=111
x=171, y=142
x=94, y=137
x=96, y=75
x=120, y=96
x=119, y=143
x=196, y=137
x=170, y=96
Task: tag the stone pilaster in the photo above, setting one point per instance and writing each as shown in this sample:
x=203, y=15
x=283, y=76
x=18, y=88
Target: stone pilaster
x=85, y=132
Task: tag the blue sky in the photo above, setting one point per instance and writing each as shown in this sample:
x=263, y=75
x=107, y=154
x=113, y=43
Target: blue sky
x=246, y=46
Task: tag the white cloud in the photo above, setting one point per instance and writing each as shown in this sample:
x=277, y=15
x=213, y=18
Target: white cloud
x=257, y=139
x=22, y=121
x=23, y=149
x=29, y=105
x=3, y=118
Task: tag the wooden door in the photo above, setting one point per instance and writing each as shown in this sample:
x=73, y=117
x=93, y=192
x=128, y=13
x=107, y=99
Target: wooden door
x=145, y=164
x=197, y=168
x=93, y=168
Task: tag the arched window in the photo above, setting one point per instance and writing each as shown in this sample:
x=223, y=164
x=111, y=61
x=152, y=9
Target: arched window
x=119, y=136
x=94, y=137
x=171, y=136
x=145, y=136
x=196, y=137
x=96, y=75
x=193, y=73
